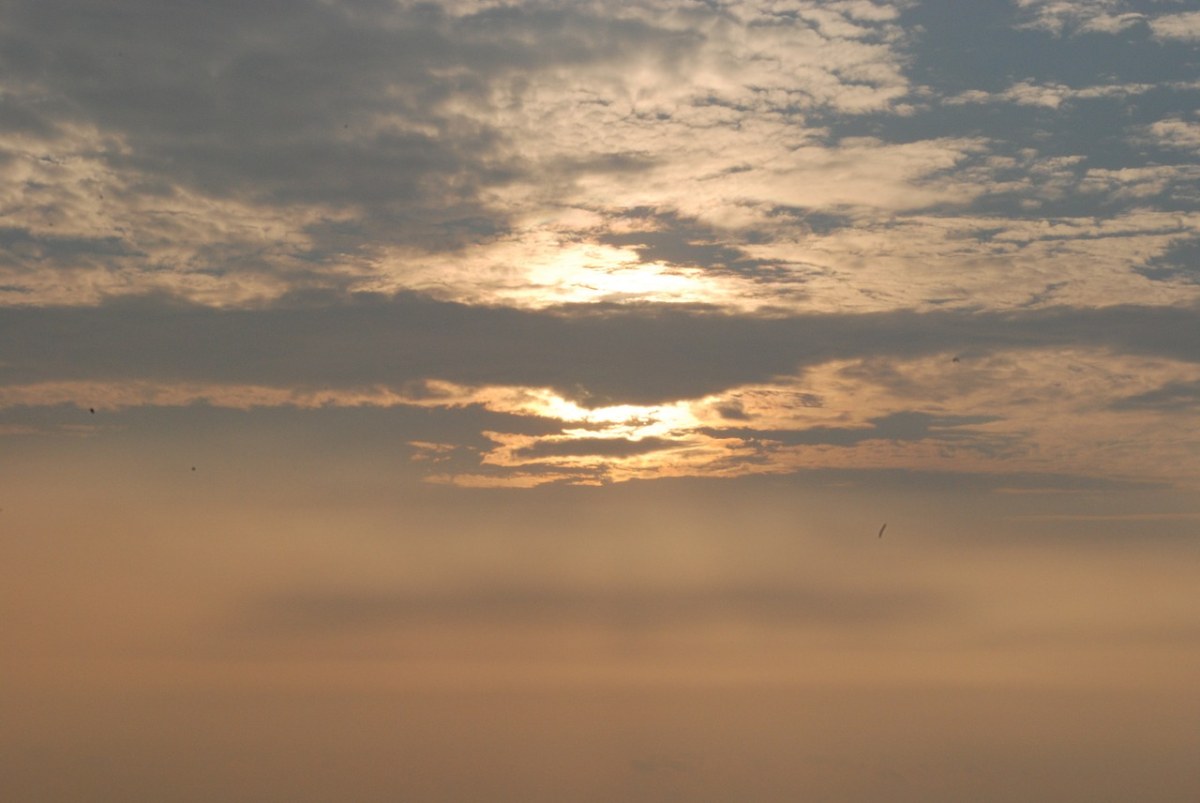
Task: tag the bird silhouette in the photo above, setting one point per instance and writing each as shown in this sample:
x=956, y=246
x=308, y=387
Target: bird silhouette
x=881, y=529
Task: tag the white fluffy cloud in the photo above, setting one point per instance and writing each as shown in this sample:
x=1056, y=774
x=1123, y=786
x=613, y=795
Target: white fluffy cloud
x=1110, y=17
x=1175, y=132
x=1185, y=26
x=1079, y=16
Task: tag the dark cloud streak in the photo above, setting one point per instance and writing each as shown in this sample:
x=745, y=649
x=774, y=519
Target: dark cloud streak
x=904, y=426
x=594, y=354
x=1174, y=396
x=314, y=612
x=606, y=447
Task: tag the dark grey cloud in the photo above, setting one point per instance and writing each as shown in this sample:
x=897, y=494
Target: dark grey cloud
x=683, y=243
x=20, y=244
x=386, y=430
x=733, y=412
x=1173, y=396
x=904, y=426
x=43, y=253
x=595, y=354
x=600, y=447
x=1180, y=261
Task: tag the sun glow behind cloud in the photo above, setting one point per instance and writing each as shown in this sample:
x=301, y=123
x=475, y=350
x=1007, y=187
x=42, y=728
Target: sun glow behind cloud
x=540, y=270
x=1060, y=411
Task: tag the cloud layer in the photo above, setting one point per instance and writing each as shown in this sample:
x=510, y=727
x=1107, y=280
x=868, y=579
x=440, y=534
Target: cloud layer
x=713, y=238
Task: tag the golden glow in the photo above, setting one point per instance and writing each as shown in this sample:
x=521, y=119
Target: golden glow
x=621, y=420
x=586, y=273
x=550, y=265
x=983, y=413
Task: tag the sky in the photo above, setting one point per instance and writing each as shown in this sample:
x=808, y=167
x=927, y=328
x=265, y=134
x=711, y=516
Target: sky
x=502, y=401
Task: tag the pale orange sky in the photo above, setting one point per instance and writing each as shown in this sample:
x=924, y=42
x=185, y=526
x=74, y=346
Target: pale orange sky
x=296, y=620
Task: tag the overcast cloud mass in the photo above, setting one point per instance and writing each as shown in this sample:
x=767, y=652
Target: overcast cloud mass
x=650, y=219
x=713, y=247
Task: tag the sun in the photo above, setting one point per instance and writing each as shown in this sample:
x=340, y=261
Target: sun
x=585, y=272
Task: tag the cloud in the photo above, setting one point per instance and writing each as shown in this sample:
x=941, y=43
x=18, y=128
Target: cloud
x=236, y=154
x=533, y=154
x=1179, y=262
x=585, y=352
x=1174, y=132
x=1075, y=17
x=1051, y=96
x=1172, y=396
x=904, y=426
x=657, y=236
x=616, y=393
x=1079, y=16
x=1138, y=182
x=600, y=447
x=1185, y=26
